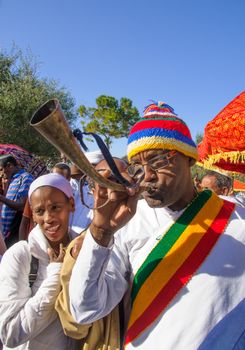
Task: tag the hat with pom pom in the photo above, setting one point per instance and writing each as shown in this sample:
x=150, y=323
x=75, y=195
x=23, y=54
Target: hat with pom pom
x=160, y=128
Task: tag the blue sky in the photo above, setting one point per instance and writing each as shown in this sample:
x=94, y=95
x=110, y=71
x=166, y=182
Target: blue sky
x=190, y=54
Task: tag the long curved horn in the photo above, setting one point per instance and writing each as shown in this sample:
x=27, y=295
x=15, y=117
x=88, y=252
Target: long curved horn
x=50, y=122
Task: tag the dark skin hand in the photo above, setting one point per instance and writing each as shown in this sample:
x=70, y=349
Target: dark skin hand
x=56, y=257
x=16, y=205
x=120, y=208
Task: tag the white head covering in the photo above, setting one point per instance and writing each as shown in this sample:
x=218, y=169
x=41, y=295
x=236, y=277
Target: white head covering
x=53, y=180
x=94, y=157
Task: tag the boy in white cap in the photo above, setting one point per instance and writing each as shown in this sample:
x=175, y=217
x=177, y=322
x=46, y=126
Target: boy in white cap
x=28, y=319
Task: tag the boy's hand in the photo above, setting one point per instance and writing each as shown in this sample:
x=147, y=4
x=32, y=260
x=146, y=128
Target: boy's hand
x=54, y=257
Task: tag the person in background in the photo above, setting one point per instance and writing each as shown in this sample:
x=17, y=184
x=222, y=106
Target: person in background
x=27, y=223
x=62, y=169
x=83, y=214
x=13, y=201
x=240, y=197
x=63, y=158
x=183, y=276
x=28, y=319
x=219, y=183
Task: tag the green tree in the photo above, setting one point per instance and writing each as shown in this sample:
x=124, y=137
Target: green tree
x=199, y=138
x=111, y=118
x=22, y=92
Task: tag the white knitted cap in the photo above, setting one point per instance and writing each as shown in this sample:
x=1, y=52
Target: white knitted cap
x=94, y=157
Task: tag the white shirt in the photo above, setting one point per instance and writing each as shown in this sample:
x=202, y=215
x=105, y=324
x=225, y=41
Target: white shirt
x=28, y=319
x=81, y=218
x=102, y=275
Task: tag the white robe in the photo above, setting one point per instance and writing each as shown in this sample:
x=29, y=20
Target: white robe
x=102, y=275
x=28, y=319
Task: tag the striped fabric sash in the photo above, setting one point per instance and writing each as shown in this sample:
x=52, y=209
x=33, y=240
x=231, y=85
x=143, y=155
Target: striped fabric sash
x=175, y=259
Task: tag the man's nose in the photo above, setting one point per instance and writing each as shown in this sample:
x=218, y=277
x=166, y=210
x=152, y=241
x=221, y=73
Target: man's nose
x=149, y=174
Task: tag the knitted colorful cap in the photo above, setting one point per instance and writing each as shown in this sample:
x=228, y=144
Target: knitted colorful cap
x=160, y=128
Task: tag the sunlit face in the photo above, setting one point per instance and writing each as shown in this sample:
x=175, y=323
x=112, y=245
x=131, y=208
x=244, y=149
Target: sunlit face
x=169, y=186
x=209, y=182
x=51, y=209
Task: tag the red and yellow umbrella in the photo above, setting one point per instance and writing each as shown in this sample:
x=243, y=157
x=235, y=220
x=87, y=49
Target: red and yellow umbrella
x=223, y=144
x=238, y=186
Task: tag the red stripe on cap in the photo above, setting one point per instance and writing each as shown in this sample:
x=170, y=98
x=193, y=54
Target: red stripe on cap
x=161, y=124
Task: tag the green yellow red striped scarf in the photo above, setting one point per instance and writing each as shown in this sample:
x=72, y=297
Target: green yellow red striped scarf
x=175, y=258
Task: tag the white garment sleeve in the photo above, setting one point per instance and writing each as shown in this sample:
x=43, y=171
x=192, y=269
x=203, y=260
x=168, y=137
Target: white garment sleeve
x=98, y=281
x=23, y=316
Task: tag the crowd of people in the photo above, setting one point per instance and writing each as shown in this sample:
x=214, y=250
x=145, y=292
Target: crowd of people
x=159, y=265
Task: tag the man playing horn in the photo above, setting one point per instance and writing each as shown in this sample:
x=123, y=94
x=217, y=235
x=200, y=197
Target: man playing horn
x=180, y=258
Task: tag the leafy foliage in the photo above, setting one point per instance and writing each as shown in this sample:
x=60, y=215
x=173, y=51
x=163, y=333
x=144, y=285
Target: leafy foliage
x=21, y=94
x=199, y=138
x=110, y=118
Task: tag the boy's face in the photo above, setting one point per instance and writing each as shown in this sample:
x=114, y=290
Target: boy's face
x=51, y=209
